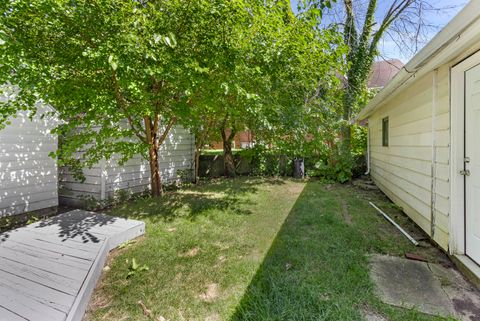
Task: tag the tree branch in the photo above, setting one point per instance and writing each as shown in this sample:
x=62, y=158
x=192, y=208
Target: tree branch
x=395, y=10
x=121, y=102
x=199, y=141
x=162, y=138
x=368, y=23
x=350, y=36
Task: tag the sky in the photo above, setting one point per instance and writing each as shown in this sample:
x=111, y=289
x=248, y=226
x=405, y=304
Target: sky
x=436, y=18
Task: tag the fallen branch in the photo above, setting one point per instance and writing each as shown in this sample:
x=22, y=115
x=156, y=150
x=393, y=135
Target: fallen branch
x=147, y=312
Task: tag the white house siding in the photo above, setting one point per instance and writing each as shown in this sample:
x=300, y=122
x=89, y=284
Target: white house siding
x=74, y=192
x=108, y=177
x=403, y=170
x=28, y=175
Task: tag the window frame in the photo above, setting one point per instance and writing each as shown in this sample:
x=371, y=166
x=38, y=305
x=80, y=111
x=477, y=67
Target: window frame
x=385, y=131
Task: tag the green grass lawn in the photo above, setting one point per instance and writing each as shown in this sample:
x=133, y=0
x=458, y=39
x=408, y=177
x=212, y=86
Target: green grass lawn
x=254, y=249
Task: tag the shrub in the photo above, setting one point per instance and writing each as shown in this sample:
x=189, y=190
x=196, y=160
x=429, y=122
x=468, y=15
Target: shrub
x=335, y=168
x=266, y=161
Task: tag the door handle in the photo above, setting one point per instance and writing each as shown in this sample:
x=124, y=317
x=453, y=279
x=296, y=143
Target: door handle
x=465, y=172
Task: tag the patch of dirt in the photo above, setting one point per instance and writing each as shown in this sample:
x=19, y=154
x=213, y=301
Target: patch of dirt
x=345, y=213
x=256, y=256
x=467, y=308
x=190, y=253
x=213, y=317
x=295, y=189
x=211, y=294
x=146, y=311
x=365, y=184
x=99, y=299
x=222, y=246
x=371, y=315
x=386, y=231
x=220, y=260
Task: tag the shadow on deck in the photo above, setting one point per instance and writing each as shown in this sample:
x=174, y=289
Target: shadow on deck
x=49, y=269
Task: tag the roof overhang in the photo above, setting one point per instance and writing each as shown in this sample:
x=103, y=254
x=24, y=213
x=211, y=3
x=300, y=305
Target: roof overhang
x=455, y=38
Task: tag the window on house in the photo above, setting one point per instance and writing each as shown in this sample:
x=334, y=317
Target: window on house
x=385, y=131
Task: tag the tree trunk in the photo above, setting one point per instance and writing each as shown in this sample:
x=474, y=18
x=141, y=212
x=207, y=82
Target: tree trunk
x=151, y=130
x=155, y=178
x=197, y=164
x=348, y=105
x=200, y=139
x=228, y=160
x=357, y=78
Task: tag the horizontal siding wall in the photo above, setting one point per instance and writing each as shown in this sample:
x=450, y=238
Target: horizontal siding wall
x=403, y=170
x=176, y=154
x=74, y=192
x=28, y=176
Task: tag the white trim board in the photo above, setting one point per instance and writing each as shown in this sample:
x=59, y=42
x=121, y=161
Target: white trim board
x=457, y=152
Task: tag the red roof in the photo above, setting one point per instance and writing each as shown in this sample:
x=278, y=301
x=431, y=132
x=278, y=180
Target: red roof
x=383, y=71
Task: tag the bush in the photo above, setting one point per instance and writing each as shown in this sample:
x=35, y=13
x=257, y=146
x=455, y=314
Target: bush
x=322, y=153
x=266, y=161
x=336, y=168
x=331, y=164
x=359, y=141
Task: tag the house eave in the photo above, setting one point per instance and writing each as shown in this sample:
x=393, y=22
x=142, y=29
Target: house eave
x=462, y=31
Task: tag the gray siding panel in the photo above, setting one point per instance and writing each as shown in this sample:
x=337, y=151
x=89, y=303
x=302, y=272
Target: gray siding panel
x=28, y=175
x=176, y=153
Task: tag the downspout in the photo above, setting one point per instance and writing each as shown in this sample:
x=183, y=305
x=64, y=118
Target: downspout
x=434, y=154
x=368, y=149
x=103, y=176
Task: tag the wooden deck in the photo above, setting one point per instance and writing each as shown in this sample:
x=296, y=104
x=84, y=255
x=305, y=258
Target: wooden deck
x=48, y=269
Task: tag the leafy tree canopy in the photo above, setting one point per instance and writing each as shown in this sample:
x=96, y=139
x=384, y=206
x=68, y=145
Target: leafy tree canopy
x=121, y=73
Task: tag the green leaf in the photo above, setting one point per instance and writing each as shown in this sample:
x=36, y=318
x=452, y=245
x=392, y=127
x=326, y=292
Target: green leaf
x=173, y=39
x=170, y=40
x=134, y=264
x=157, y=38
x=112, y=61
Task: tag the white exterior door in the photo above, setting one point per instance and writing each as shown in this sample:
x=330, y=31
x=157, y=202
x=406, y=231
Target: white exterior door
x=472, y=163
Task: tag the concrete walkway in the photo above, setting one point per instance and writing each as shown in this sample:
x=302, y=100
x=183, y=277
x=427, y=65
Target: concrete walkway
x=429, y=288
x=49, y=269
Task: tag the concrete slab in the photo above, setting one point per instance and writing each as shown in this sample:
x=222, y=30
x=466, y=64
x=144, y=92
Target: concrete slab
x=49, y=269
x=429, y=288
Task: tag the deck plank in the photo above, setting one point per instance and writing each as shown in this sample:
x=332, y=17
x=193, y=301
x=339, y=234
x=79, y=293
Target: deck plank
x=48, y=269
x=29, y=235
x=7, y=315
x=28, y=308
x=47, y=278
x=47, y=234
x=42, y=264
x=66, y=259
x=41, y=250
x=41, y=293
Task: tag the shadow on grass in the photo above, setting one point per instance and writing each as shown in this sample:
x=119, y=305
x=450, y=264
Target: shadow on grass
x=315, y=268
x=317, y=265
x=190, y=203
